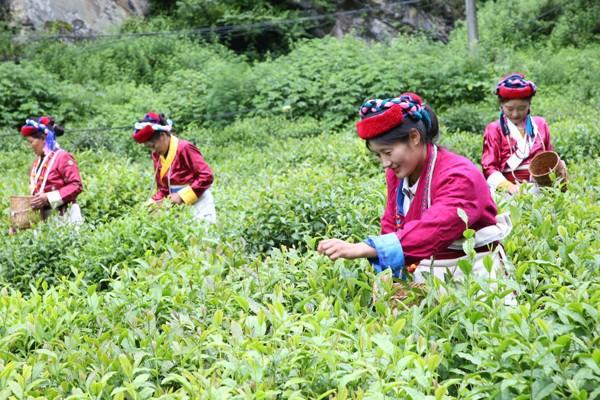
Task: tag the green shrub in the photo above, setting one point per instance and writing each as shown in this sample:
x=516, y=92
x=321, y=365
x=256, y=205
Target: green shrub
x=330, y=78
x=255, y=132
x=515, y=24
x=301, y=205
x=466, y=118
x=142, y=60
x=95, y=249
x=27, y=91
x=464, y=143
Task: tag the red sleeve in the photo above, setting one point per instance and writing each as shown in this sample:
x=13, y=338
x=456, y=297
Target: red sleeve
x=388, y=219
x=440, y=224
x=491, y=156
x=162, y=191
x=70, y=174
x=203, y=176
x=160, y=194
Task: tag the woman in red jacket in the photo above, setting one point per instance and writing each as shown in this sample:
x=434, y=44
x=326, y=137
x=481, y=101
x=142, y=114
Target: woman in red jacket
x=54, y=179
x=427, y=186
x=182, y=176
x=511, y=142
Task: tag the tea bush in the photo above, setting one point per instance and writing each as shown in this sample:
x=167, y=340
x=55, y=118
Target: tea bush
x=142, y=304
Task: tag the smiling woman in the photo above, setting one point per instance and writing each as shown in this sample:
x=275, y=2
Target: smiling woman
x=427, y=186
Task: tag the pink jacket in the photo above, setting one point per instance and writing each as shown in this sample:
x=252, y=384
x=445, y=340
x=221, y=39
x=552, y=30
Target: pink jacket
x=497, y=150
x=428, y=230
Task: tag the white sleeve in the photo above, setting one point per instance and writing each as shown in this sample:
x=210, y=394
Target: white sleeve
x=54, y=199
x=495, y=179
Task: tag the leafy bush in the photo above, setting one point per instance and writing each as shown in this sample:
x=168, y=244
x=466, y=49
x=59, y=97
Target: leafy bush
x=466, y=118
x=309, y=203
x=95, y=249
x=330, y=78
x=26, y=91
x=256, y=132
x=516, y=24
x=143, y=60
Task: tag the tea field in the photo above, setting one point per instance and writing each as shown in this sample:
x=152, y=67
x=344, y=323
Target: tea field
x=133, y=305
x=139, y=305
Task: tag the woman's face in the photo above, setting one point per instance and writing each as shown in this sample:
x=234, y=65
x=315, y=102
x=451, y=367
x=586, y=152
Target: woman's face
x=159, y=145
x=37, y=145
x=516, y=110
x=403, y=158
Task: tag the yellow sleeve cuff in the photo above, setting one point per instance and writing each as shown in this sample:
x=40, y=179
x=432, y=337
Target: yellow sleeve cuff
x=188, y=195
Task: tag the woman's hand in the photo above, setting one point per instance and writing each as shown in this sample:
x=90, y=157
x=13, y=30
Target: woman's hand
x=175, y=198
x=512, y=188
x=40, y=200
x=336, y=248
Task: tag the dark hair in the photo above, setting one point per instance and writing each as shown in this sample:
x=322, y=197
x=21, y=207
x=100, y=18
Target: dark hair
x=429, y=131
x=58, y=130
x=37, y=135
x=163, y=119
x=156, y=135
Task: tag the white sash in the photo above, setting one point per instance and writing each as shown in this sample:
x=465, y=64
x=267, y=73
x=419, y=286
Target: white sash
x=489, y=234
x=486, y=235
x=524, y=145
x=33, y=179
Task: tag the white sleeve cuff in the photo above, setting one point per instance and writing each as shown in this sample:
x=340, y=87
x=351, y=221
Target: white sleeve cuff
x=54, y=199
x=495, y=179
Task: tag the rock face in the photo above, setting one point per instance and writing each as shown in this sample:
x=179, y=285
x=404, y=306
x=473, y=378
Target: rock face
x=385, y=19
x=72, y=15
x=371, y=19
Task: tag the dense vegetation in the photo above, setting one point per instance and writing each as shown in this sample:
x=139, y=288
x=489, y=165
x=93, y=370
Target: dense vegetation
x=138, y=305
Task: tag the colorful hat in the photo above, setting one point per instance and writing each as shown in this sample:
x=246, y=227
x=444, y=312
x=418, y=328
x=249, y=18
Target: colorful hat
x=145, y=129
x=410, y=96
x=379, y=116
x=515, y=86
x=43, y=125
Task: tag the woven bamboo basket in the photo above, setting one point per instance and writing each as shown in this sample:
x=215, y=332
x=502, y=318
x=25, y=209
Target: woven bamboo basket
x=543, y=165
x=22, y=216
x=401, y=292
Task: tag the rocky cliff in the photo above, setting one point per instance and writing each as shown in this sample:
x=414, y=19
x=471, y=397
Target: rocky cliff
x=71, y=15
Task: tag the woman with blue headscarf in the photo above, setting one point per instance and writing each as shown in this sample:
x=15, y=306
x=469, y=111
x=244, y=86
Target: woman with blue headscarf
x=428, y=188
x=54, y=180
